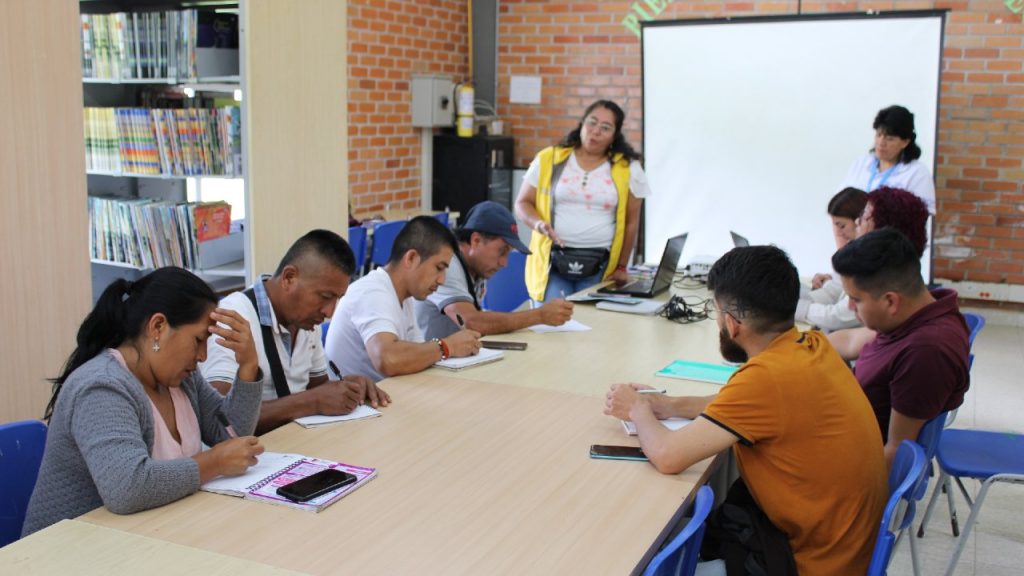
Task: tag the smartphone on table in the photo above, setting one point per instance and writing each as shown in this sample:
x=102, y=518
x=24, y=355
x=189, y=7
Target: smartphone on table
x=503, y=345
x=617, y=452
x=324, y=481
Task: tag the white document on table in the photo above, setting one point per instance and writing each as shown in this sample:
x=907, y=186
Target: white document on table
x=670, y=423
x=484, y=356
x=570, y=326
x=361, y=411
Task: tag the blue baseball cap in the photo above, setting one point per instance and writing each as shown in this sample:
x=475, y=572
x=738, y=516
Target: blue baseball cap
x=492, y=218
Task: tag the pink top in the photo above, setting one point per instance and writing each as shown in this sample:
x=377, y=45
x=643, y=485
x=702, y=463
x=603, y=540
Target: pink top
x=165, y=447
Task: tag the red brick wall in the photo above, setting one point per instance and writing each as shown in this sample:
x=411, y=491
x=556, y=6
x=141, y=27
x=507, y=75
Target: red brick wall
x=388, y=41
x=583, y=52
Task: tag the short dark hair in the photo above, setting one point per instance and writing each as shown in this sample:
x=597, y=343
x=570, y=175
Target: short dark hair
x=323, y=244
x=898, y=121
x=760, y=282
x=902, y=210
x=424, y=234
x=465, y=235
x=880, y=261
x=618, y=145
x=848, y=203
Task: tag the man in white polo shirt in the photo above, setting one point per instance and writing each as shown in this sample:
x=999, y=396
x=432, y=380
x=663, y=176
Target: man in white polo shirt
x=374, y=329
x=284, y=312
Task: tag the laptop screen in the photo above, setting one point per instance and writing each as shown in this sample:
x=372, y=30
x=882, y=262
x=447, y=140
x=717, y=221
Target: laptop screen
x=669, y=261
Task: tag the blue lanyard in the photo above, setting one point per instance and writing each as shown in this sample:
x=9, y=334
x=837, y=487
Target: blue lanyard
x=874, y=174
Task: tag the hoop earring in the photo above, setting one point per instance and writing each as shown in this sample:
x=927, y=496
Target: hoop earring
x=156, y=345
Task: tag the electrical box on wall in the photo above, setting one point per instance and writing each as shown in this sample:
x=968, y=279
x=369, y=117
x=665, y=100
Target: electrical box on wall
x=432, y=103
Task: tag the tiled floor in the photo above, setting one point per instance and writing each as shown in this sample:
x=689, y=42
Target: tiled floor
x=994, y=402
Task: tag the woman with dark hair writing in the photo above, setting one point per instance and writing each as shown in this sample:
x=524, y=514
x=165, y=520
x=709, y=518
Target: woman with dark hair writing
x=130, y=412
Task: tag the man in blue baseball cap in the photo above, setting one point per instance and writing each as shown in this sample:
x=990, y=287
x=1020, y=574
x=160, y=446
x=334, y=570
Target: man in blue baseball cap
x=486, y=237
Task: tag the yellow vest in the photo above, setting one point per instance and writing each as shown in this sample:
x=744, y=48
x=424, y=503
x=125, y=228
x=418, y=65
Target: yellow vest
x=538, y=264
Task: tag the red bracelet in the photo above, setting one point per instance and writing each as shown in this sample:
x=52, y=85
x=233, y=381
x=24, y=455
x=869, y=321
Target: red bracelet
x=443, y=347
x=621, y=267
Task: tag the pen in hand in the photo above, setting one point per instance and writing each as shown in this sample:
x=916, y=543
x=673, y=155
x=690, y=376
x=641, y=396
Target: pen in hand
x=334, y=368
x=227, y=424
x=651, y=391
x=462, y=323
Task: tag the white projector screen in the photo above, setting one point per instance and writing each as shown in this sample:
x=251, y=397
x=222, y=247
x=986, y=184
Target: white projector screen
x=752, y=124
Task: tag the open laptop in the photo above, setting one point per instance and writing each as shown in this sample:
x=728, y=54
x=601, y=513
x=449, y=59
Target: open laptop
x=650, y=287
x=739, y=241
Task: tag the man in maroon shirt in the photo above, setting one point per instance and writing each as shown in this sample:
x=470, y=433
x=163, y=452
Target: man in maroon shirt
x=912, y=354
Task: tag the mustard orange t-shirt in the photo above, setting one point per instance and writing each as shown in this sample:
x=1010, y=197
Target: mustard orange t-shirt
x=809, y=450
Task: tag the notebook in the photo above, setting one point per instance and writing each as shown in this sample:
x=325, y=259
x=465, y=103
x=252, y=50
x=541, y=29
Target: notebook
x=485, y=356
x=642, y=307
x=275, y=469
x=670, y=423
x=650, y=287
x=360, y=413
x=598, y=297
x=700, y=371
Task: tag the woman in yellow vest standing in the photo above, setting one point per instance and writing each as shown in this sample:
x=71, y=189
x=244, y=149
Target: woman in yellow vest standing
x=582, y=198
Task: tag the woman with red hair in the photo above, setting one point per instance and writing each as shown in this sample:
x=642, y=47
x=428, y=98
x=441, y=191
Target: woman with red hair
x=827, y=307
x=899, y=209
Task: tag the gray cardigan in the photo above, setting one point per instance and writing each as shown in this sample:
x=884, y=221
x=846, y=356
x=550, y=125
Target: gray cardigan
x=101, y=436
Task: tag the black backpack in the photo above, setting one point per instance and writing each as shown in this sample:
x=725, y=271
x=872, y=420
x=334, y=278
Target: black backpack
x=741, y=534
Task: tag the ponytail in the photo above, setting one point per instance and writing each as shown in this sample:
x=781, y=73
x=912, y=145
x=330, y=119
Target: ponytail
x=123, y=310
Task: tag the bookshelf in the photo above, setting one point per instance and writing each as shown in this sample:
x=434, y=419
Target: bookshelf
x=162, y=94
x=294, y=141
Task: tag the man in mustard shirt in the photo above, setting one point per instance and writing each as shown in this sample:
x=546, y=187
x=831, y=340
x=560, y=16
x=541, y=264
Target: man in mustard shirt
x=803, y=434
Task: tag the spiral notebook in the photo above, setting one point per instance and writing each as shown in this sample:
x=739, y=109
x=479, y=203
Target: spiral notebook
x=275, y=469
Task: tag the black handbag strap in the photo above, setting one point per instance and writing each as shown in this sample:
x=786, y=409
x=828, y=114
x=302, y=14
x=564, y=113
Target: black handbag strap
x=469, y=281
x=270, y=348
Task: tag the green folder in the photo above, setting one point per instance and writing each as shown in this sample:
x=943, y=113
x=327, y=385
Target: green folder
x=700, y=371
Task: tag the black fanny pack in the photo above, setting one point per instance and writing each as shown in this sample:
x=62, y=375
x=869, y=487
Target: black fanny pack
x=577, y=262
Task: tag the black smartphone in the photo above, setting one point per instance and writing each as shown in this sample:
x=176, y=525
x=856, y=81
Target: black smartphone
x=503, y=345
x=617, y=452
x=318, y=484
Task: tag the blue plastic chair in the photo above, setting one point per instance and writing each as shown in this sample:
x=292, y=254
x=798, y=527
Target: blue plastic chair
x=904, y=478
x=21, y=451
x=357, y=240
x=442, y=217
x=506, y=290
x=679, y=557
x=986, y=456
x=323, y=331
x=975, y=322
x=384, y=235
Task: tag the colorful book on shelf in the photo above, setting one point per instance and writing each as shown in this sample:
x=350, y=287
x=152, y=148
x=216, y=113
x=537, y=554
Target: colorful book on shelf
x=275, y=469
x=699, y=371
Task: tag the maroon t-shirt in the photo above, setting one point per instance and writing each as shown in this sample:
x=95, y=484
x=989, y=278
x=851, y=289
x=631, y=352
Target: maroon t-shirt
x=920, y=368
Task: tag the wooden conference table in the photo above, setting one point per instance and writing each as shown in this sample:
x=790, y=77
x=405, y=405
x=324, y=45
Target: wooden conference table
x=85, y=549
x=481, y=471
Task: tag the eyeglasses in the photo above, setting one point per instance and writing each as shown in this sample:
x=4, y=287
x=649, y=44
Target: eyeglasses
x=712, y=310
x=602, y=127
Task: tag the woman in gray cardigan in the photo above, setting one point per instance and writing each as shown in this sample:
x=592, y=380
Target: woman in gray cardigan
x=137, y=353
